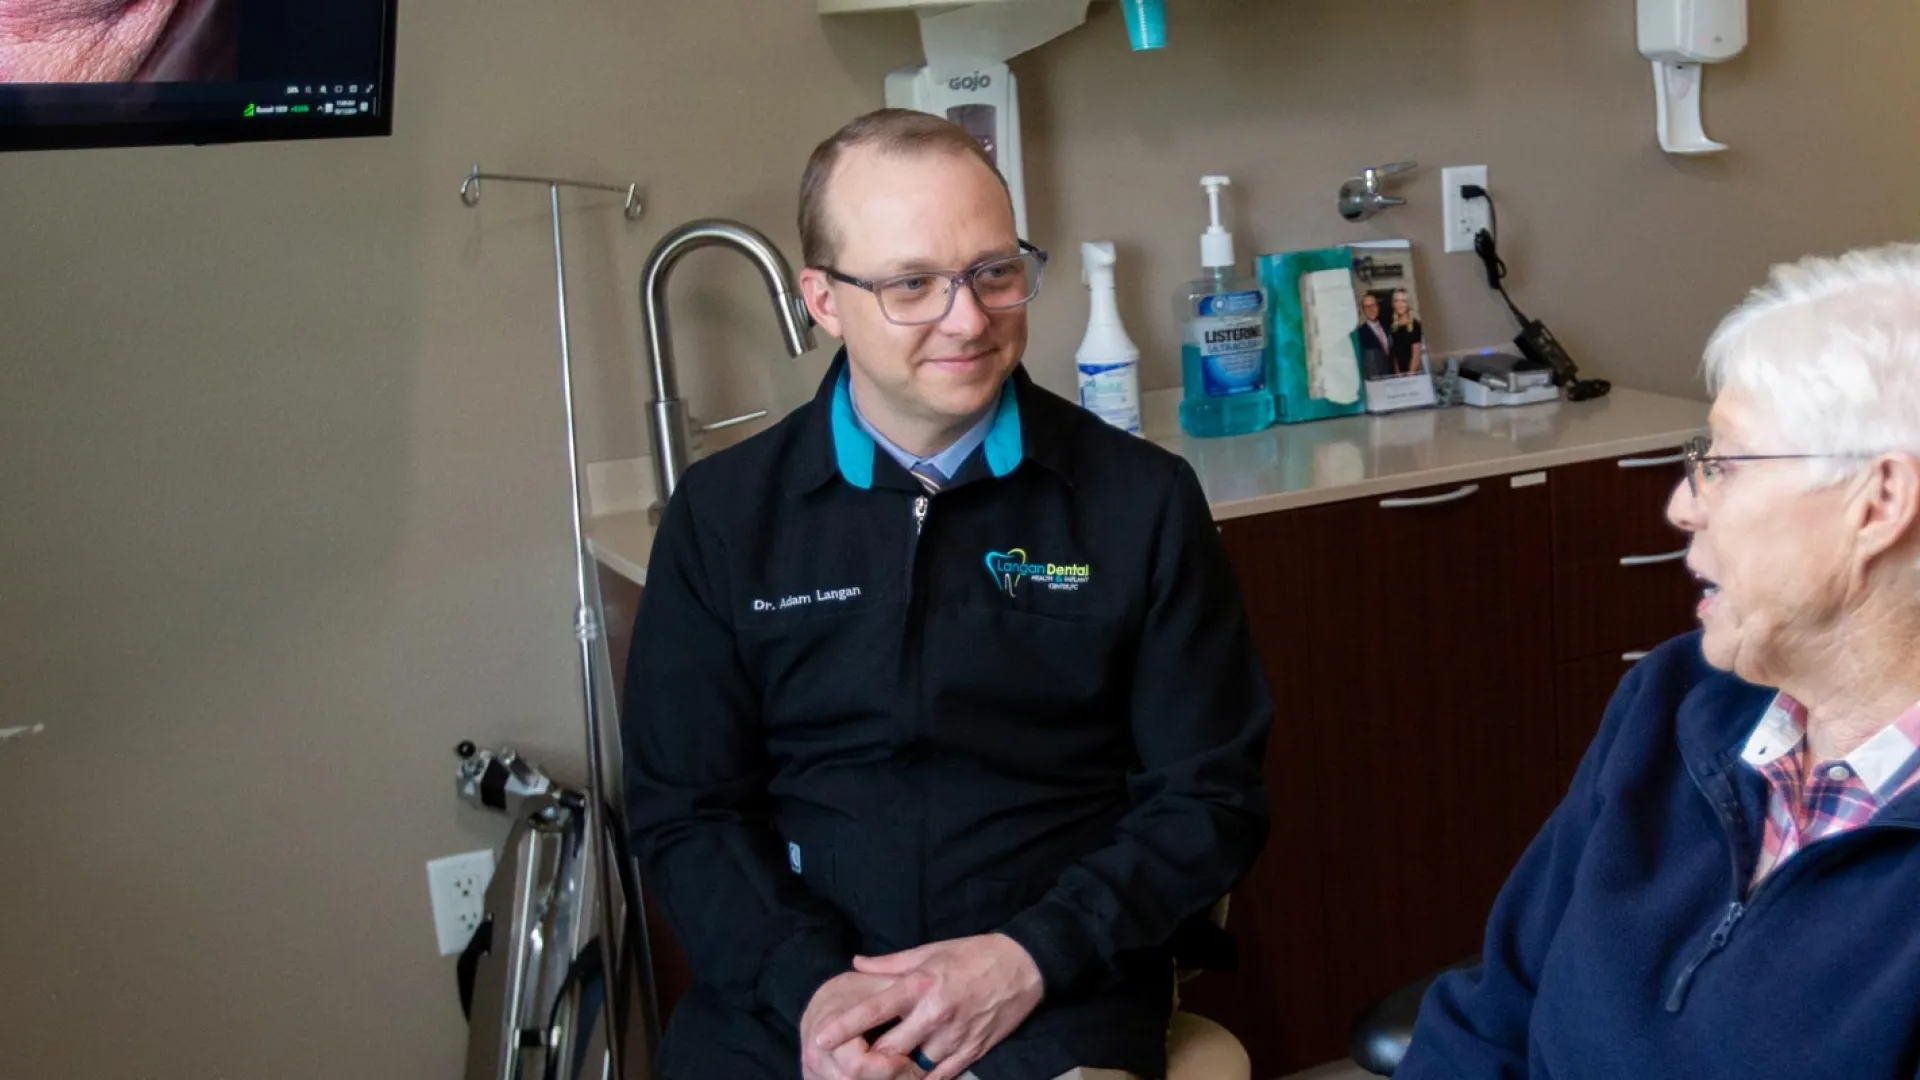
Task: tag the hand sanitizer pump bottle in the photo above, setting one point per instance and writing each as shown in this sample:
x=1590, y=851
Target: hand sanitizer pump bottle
x=1223, y=351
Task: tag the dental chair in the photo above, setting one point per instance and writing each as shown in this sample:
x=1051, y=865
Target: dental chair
x=1198, y=1048
x=1378, y=1037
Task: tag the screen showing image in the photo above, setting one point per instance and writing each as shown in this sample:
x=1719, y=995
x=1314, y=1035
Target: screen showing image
x=120, y=72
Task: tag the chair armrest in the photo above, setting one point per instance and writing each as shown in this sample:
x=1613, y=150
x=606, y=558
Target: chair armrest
x=1379, y=1036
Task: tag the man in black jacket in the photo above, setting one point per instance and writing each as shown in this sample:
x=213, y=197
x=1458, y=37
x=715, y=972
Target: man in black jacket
x=941, y=715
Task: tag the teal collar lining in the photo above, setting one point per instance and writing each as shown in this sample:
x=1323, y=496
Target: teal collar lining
x=854, y=449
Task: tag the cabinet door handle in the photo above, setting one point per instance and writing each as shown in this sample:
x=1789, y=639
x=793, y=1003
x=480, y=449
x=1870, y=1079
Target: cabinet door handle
x=1651, y=462
x=1653, y=560
x=1634, y=657
x=1455, y=495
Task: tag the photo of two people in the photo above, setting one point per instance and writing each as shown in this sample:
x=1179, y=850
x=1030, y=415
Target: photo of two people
x=1389, y=339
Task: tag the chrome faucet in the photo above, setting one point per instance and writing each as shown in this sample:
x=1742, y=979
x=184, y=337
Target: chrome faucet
x=1361, y=197
x=672, y=425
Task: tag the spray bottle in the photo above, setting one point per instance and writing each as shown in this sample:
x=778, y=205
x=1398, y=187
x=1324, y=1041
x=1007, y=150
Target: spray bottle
x=1108, y=360
x=1223, y=327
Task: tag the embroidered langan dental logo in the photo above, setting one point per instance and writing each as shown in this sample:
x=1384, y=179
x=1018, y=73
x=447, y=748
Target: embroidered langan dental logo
x=1012, y=567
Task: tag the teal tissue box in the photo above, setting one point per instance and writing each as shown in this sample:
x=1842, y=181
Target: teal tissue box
x=1292, y=378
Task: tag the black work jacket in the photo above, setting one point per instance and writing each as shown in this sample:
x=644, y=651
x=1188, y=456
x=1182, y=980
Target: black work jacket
x=860, y=718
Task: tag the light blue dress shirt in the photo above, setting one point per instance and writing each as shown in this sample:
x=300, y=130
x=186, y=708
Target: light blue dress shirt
x=948, y=461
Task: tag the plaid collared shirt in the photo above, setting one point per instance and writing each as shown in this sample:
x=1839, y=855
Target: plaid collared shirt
x=1834, y=796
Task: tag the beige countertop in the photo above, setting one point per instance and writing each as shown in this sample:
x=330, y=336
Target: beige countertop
x=1288, y=467
x=1353, y=457
x=622, y=543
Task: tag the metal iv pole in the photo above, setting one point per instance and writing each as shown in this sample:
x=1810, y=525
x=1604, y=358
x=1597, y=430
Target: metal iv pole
x=589, y=618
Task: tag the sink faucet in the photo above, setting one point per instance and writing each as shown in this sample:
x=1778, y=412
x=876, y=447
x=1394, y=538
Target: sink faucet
x=671, y=423
x=1361, y=197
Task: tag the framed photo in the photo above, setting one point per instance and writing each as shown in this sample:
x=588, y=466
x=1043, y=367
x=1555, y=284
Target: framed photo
x=1391, y=336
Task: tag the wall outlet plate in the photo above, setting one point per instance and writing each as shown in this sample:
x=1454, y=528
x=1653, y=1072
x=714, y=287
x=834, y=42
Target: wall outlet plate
x=1463, y=217
x=458, y=887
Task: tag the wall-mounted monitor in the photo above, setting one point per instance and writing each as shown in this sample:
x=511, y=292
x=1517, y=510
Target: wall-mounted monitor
x=79, y=73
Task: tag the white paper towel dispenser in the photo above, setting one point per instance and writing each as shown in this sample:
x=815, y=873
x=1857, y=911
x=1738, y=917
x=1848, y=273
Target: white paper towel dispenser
x=966, y=78
x=1679, y=36
x=986, y=101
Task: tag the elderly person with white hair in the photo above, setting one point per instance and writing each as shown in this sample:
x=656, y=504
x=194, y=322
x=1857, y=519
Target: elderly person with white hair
x=1732, y=885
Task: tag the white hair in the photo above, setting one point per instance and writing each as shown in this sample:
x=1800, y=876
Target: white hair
x=1828, y=351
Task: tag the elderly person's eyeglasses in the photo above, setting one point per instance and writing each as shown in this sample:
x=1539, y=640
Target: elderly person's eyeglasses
x=926, y=296
x=1704, y=469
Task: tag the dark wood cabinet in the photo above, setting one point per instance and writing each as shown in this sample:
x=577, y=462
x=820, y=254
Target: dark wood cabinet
x=1616, y=607
x=1604, y=508
x=1581, y=690
x=1439, y=660
x=1408, y=645
x=1431, y=682
x=1619, y=579
x=1288, y=1011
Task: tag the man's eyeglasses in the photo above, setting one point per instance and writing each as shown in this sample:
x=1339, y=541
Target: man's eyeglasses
x=1704, y=469
x=926, y=296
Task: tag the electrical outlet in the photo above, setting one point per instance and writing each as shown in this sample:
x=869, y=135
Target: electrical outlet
x=458, y=886
x=1464, y=217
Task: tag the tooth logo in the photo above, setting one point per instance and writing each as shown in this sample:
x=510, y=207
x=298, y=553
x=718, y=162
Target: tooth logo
x=1012, y=567
x=1007, y=568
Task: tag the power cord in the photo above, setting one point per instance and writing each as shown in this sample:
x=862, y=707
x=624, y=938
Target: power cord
x=1486, y=244
x=1535, y=340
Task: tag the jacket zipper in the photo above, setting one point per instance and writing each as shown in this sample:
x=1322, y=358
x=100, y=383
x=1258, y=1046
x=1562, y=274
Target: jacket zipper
x=920, y=504
x=1714, y=944
x=1737, y=909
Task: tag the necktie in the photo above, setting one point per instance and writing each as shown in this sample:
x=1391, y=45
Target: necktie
x=930, y=477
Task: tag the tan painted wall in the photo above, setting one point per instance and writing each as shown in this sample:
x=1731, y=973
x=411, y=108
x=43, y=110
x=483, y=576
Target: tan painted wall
x=283, y=501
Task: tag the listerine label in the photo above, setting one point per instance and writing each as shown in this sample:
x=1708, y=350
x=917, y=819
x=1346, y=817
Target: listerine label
x=1232, y=338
